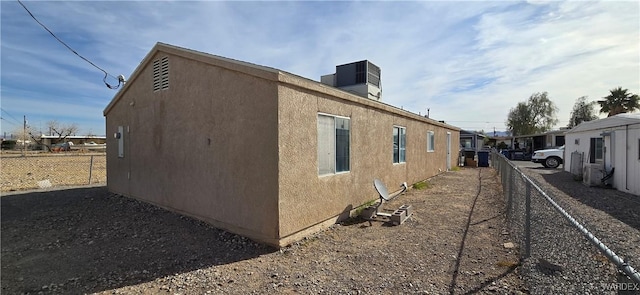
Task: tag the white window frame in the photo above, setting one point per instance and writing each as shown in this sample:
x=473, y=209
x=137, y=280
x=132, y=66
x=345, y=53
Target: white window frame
x=431, y=141
x=335, y=144
x=595, y=157
x=402, y=146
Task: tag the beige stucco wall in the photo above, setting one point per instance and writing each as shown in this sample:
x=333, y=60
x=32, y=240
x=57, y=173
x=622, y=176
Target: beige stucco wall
x=307, y=199
x=236, y=145
x=206, y=147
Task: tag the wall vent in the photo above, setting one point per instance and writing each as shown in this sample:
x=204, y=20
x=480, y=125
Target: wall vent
x=161, y=74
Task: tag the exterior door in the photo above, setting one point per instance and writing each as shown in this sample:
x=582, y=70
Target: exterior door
x=448, y=150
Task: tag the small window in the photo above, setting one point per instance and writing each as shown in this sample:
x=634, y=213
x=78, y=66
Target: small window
x=431, y=141
x=596, y=151
x=464, y=142
x=399, y=143
x=333, y=144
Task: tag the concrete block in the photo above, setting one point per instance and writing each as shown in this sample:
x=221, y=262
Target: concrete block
x=408, y=209
x=398, y=217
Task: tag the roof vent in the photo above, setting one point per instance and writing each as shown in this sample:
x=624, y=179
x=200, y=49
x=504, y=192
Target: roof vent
x=161, y=74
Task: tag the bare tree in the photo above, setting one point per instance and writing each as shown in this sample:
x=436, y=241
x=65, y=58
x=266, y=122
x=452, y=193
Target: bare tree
x=62, y=130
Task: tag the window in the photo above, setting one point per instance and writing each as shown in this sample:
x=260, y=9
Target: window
x=399, y=143
x=596, y=150
x=638, y=148
x=333, y=144
x=431, y=141
x=464, y=142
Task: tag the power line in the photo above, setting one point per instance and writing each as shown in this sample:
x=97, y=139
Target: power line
x=14, y=124
x=120, y=78
x=12, y=117
x=473, y=121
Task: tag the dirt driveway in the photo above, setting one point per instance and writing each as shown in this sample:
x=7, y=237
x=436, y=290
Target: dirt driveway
x=87, y=240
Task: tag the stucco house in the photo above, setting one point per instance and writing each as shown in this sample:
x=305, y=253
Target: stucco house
x=471, y=140
x=607, y=148
x=258, y=151
x=539, y=141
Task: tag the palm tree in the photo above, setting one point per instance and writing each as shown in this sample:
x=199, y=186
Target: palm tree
x=619, y=101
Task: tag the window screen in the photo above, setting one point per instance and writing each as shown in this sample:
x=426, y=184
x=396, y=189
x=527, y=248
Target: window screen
x=595, y=150
x=399, y=142
x=333, y=144
x=431, y=141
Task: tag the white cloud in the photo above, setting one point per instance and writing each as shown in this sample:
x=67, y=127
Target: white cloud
x=469, y=62
x=588, y=50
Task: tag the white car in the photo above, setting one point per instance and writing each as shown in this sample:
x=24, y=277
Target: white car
x=550, y=158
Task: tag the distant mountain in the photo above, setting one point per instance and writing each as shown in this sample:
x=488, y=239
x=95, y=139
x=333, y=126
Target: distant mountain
x=499, y=133
x=492, y=134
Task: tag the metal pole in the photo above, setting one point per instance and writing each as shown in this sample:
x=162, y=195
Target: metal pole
x=90, y=169
x=510, y=191
x=24, y=134
x=527, y=221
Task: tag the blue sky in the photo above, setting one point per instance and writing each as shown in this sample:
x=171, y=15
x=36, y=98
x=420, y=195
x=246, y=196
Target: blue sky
x=468, y=62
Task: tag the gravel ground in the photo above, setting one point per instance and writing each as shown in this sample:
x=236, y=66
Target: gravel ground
x=87, y=240
x=611, y=215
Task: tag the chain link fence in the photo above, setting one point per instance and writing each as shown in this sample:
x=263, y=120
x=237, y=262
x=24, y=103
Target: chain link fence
x=46, y=170
x=558, y=255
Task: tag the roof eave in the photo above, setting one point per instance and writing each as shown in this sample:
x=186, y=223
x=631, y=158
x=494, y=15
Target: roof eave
x=132, y=78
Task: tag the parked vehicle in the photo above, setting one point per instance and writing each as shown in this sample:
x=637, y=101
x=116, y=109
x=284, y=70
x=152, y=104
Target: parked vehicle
x=549, y=158
x=61, y=147
x=89, y=146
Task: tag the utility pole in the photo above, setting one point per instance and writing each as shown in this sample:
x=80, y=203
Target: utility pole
x=24, y=134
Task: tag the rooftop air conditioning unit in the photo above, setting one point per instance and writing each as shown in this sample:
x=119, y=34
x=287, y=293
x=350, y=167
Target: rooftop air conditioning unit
x=361, y=78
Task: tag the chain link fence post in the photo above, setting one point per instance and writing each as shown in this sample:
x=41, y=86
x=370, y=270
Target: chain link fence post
x=90, y=168
x=527, y=221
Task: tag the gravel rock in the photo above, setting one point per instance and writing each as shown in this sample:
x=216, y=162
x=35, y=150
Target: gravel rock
x=88, y=240
x=562, y=260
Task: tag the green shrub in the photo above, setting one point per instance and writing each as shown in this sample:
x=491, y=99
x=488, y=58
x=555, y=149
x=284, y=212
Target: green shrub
x=421, y=185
